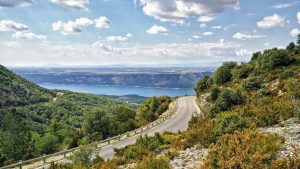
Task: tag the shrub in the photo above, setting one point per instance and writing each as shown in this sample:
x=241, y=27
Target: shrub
x=264, y=92
x=84, y=155
x=242, y=71
x=286, y=74
x=214, y=94
x=226, y=100
x=143, y=147
x=247, y=149
x=152, y=162
x=275, y=58
x=201, y=131
x=229, y=122
x=251, y=84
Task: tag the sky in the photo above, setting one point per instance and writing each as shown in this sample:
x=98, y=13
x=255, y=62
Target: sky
x=142, y=32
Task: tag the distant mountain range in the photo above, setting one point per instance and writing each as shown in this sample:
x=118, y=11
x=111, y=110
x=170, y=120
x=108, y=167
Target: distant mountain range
x=144, y=77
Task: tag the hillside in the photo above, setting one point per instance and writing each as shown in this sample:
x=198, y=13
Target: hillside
x=16, y=91
x=243, y=106
x=151, y=77
x=35, y=121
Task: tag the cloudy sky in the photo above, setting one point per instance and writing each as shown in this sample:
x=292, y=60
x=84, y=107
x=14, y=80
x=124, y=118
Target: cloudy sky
x=142, y=32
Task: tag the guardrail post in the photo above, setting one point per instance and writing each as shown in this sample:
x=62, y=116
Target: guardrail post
x=21, y=164
x=44, y=159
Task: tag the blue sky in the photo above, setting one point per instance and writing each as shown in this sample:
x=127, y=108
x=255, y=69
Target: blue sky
x=142, y=32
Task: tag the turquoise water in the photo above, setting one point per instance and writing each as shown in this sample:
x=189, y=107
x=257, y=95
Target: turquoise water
x=121, y=90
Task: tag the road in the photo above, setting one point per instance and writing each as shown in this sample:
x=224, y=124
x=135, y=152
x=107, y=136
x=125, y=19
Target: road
x=178, y=122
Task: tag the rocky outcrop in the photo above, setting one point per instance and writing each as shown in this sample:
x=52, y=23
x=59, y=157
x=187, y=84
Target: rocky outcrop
x=290, y=130
x=190, y=158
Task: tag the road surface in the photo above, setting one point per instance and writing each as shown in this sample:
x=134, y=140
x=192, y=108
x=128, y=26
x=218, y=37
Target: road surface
x=178, y=122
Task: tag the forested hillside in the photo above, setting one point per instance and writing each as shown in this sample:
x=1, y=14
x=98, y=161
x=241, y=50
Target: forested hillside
x=36, y=121
x=237, y=102
x=16, y=91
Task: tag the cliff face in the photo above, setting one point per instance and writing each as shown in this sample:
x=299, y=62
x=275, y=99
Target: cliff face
x=171, y=80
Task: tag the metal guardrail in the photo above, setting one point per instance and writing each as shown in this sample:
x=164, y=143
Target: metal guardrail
x=55, y=157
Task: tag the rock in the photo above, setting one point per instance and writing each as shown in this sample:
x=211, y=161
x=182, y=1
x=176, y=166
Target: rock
x=290, y=130
x=190, y=158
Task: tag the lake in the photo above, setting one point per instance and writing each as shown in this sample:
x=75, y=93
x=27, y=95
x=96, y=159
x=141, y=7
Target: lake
x=121, y=90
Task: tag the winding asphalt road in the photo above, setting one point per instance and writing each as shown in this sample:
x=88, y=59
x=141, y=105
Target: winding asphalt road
x=178, y=122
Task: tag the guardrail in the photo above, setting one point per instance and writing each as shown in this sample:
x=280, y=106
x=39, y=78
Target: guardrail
x=55, y=157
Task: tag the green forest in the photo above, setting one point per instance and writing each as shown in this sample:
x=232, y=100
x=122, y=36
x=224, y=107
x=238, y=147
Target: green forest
x=242, y=99
x=35, y=121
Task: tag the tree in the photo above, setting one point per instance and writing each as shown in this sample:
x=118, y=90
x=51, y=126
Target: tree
x=203, y=84
x=47, y=144
x=226, y=100
x=84, y=155
x=15, y=136
x=275, y=58
x=291, y=46
x=242, y=71
x=214, y=94
x=97, y=125
x=223, y=74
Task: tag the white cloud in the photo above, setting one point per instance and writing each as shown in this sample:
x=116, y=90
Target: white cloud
x=117, y=38
x=73, y=4
x=29, y=35
x=14, y=3
x=179, y=11
x=196, y=36
x=102, y=22
x=295, y=32
x=157, y=30
x=202, y=25
x=243, y=52
x=10, y=44
x=71, y=27
x=216, y=27
x=271, y=22
x=207, y=33
x=206, y=18
x=129, y=35
x=137, y=54
x=284, y=5
x=298, y=17
x=9, y=25
x=243, y=36
x=83, y=21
